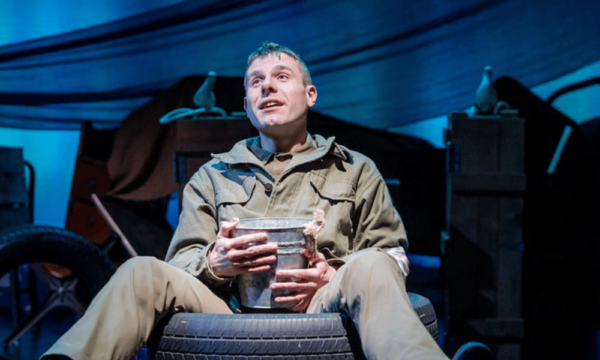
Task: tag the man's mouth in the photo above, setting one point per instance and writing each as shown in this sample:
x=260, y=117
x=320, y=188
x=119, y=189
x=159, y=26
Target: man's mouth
x=269, y=104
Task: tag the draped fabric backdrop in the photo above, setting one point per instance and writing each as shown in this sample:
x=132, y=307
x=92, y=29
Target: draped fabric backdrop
x=381, y=64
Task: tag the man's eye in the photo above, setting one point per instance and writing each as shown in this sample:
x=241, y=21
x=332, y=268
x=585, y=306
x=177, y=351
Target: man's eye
x=282, y=76
x=256, y=82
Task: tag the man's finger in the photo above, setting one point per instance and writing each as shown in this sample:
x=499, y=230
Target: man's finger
x=248, y=239
x=263, y=260
x=300, y=306
x=225, y=227
x=310, y=255
x=255, y=251
x=294, y=286
x=313, y=255
x=292, y=298
x=258, y=269
x=303, y=274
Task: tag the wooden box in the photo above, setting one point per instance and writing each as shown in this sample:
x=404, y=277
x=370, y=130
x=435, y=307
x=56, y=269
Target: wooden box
x=14, y=202
x=197, y=140
x=486, y=188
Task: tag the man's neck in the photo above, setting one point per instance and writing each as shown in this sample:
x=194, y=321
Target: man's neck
x=282, y=144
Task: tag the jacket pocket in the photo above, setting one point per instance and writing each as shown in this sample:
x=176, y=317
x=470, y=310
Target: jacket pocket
x=332, y=188
x=231, y=192
x=336, y=197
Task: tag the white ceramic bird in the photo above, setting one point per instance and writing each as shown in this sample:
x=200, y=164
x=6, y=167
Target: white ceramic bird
x=205, y=97
x=486, y=96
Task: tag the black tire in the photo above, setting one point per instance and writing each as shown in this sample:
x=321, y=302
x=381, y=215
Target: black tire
x=36, y=243
x=426, y=313
x=253, y=336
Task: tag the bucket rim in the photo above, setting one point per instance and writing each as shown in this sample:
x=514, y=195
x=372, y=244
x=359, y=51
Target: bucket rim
x=266, y=228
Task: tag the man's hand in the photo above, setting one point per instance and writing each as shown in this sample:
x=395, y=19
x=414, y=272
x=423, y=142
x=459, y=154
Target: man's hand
x=305, y=282
x=234, y=256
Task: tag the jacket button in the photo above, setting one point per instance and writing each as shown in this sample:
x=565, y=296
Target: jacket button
x=269, y=187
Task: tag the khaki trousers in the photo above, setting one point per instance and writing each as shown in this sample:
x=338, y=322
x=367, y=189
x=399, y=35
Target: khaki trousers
x=369, y=287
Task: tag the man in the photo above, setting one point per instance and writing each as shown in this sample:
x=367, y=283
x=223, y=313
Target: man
x=282, y=172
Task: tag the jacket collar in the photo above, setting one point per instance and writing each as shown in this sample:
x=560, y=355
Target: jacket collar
x=241, y=154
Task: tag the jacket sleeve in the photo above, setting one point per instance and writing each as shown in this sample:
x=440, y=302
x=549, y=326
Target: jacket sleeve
x=196, y=232
x=378, y=224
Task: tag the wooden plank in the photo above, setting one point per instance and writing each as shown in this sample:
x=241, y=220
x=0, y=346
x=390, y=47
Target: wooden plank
x=87, y=221
x=13, y=216
x=488, y=182
x=12, y=189
x=490, y=144
x=511, y=146
x=11, y=160
x=477, y=141
x=510, y=257
x=212, y=136
x=12, y=177
x=499, y=327
x=90, y=177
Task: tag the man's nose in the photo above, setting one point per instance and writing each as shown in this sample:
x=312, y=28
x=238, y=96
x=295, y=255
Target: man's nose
x=268, y=87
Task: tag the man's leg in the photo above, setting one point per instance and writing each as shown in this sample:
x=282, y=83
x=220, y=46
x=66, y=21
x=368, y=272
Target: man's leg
x=123, y=314
x=370, y=288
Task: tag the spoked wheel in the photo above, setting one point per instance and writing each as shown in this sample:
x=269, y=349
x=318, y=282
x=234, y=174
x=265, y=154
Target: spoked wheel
x=25, y=249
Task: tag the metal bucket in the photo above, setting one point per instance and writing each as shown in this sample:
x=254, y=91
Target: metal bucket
x=288, y=233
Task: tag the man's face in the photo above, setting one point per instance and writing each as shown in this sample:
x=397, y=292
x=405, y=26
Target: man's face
x=276, y=99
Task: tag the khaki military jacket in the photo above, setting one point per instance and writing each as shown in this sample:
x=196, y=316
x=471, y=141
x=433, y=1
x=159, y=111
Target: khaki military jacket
x=345, y=184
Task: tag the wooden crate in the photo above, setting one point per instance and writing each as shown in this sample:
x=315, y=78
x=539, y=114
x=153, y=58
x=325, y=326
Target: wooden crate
x=486, y=184
x=197, y=140
x=14, y=202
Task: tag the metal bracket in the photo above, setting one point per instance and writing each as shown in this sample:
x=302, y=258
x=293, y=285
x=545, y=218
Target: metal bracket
x=61, y=293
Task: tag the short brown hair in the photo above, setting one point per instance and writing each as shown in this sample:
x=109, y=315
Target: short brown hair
x=271, y=48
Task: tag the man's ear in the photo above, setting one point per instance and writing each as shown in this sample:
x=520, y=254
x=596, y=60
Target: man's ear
x=245, y=103
x=311, y=95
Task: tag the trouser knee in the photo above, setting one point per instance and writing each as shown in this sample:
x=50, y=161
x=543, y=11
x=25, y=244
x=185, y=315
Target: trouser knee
x=371, y=271
x=139, y=267
x=137, y=274
x=373, y=260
